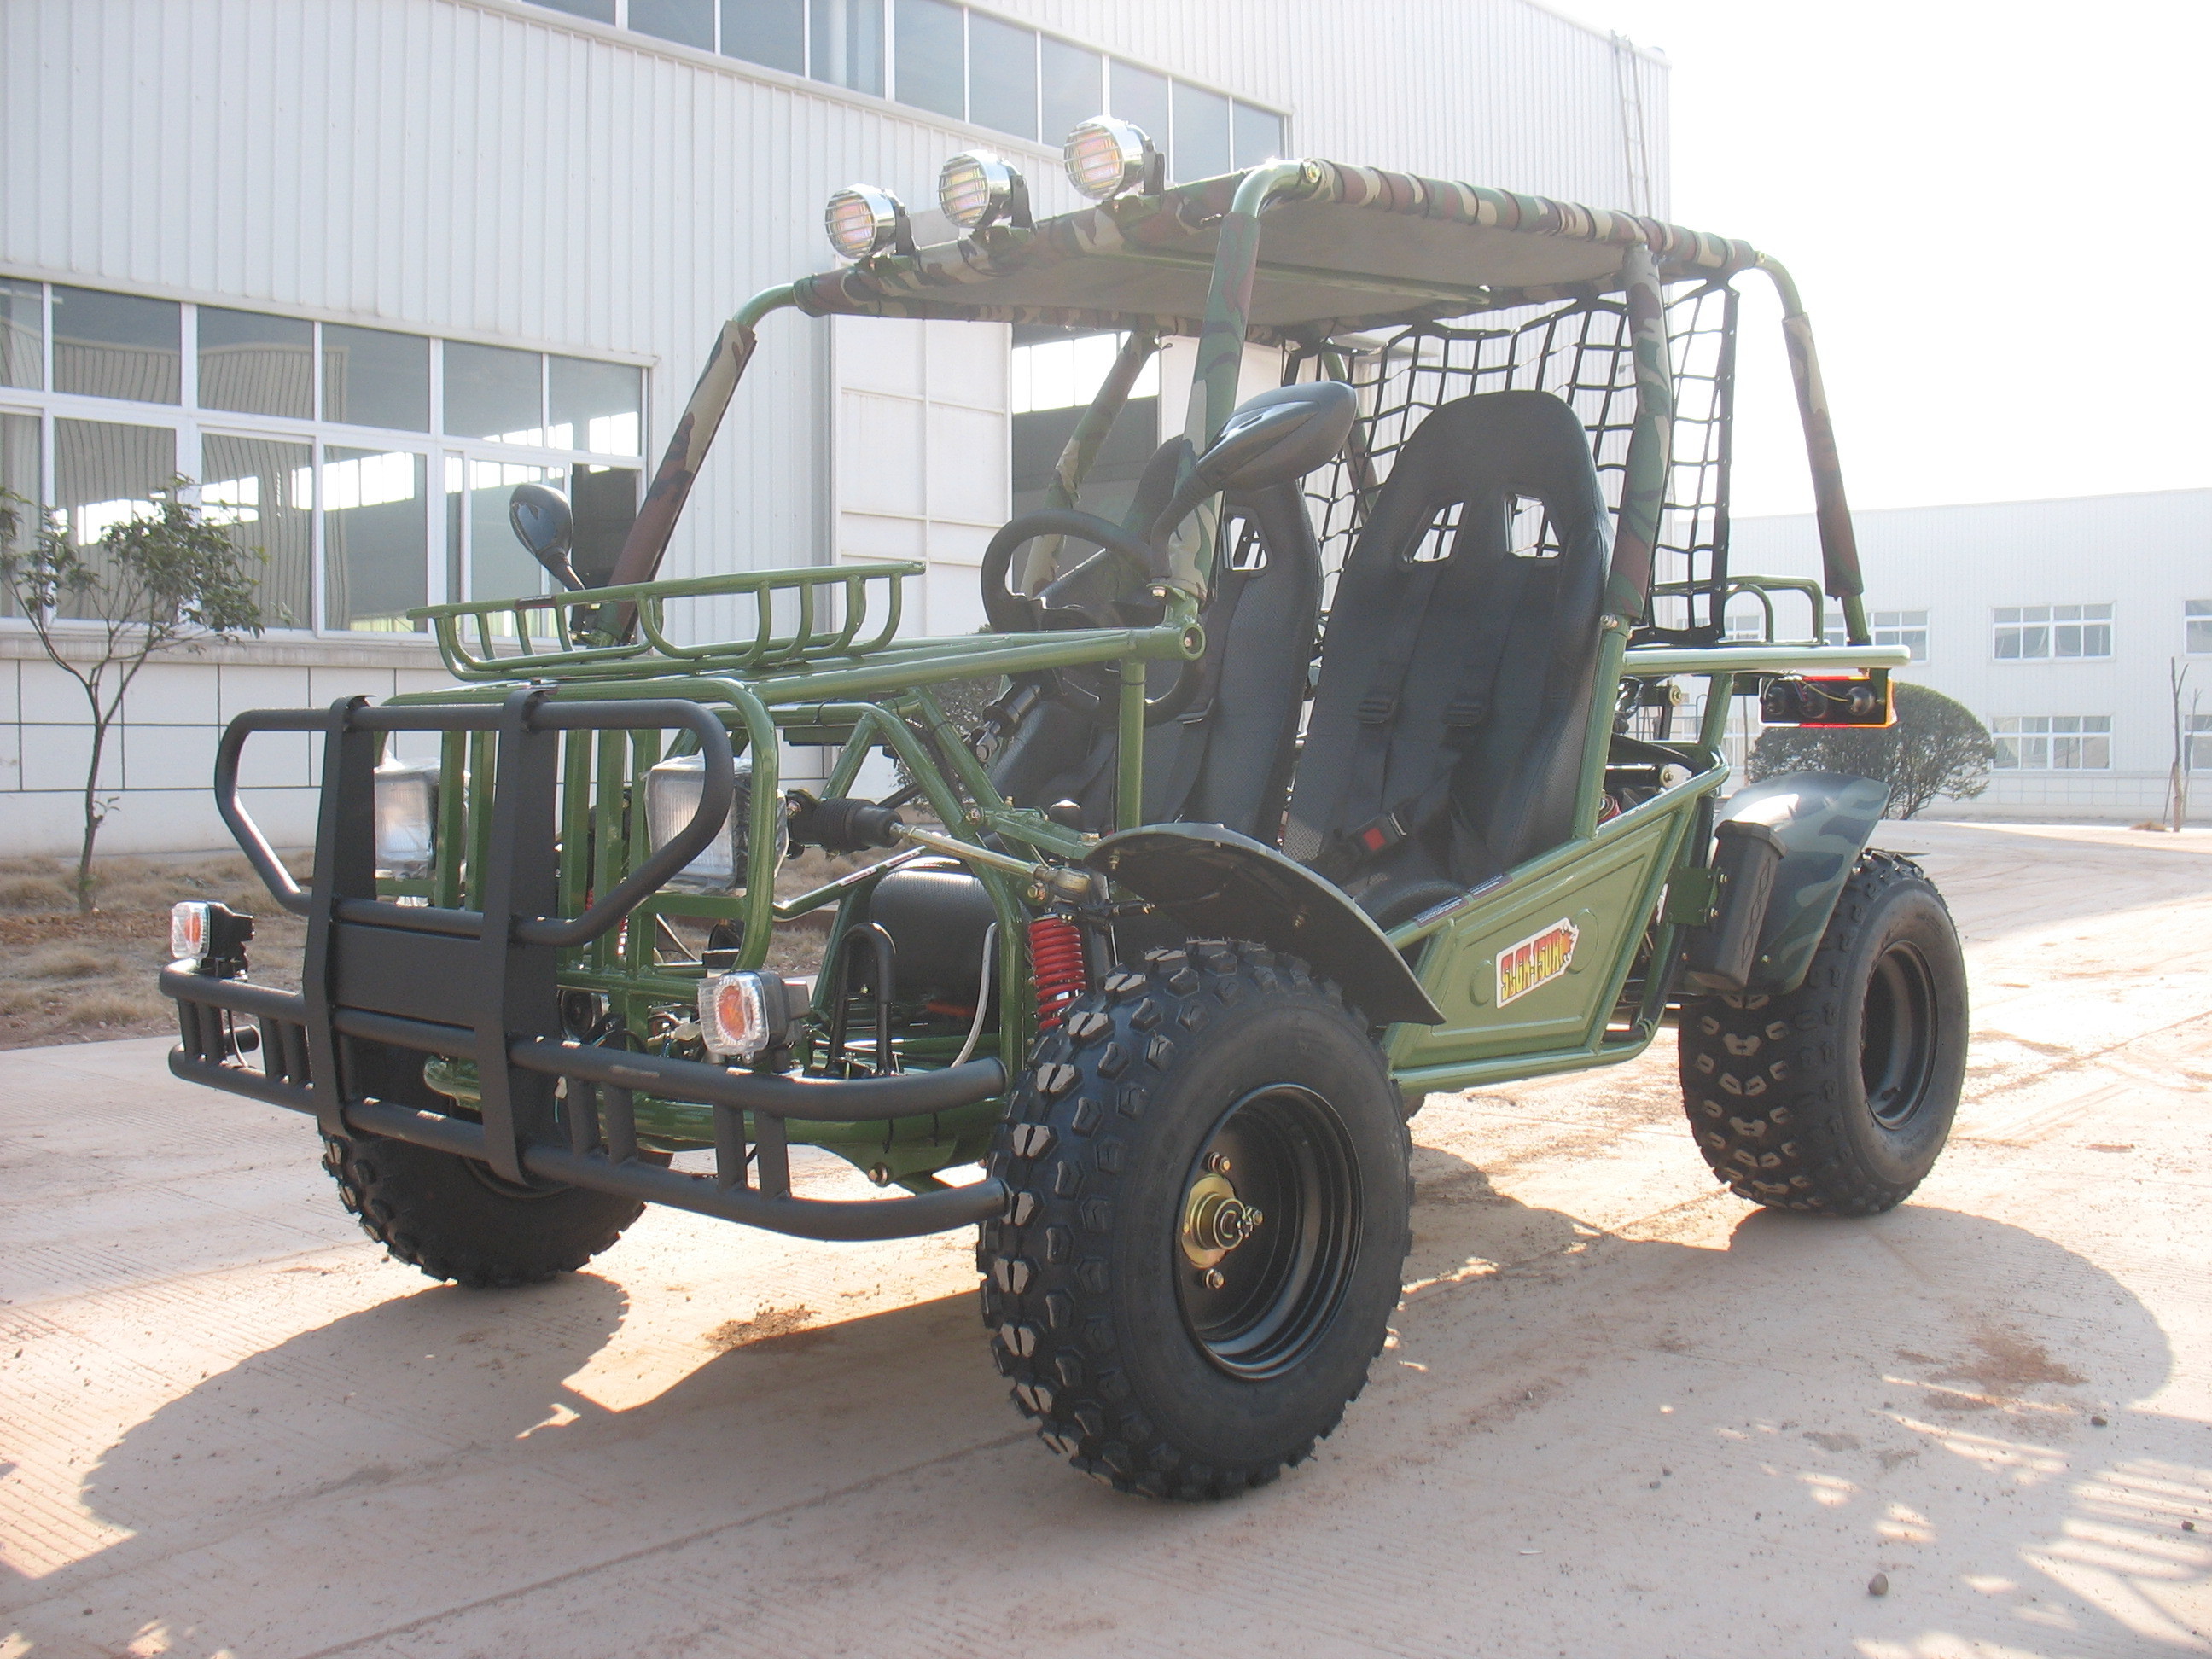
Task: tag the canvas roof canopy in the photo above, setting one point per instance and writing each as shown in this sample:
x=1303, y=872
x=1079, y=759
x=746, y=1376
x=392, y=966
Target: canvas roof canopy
x=1347, y=247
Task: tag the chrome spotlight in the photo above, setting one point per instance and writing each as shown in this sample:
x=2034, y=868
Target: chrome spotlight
x=1106, y=157
x=976, y=189
x=865, y=219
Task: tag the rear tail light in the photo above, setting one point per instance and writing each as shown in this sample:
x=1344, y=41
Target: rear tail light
x=209, y=938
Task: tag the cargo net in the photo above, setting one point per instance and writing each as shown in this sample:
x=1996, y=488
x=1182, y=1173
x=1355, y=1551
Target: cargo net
x=1579, y=352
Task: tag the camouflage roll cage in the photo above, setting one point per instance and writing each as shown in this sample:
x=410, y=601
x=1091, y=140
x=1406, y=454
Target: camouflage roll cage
x=1412, y=289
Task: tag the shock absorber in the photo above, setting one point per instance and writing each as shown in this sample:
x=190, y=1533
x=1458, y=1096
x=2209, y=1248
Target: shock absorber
x=1056, y=967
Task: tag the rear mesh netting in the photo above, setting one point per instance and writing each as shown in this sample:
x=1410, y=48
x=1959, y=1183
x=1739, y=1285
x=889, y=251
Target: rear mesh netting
x=1582, y=353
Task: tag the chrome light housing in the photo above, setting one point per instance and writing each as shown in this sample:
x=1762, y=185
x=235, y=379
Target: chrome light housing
x=864, y=219
x=671, y=796
x=976, y=188
x=209, y=938
x=406, y=795
x=744, y=1013
x=1106, y=157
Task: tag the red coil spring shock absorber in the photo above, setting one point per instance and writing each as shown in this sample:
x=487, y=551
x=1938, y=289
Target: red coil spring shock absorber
x=1056, y=967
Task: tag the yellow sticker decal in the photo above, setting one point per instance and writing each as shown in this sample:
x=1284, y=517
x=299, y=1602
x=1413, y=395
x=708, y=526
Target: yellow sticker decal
x=1536, y=960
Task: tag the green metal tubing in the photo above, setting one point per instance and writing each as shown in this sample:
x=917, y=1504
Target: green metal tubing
x=1597, y=731
x=1839, y=547
x=1129, y=748
x=1755, y=659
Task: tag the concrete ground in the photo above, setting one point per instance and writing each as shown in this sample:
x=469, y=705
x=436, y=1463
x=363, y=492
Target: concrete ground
x=1623, y=1412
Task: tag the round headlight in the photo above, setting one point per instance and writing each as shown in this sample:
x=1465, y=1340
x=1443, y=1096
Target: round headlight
x=1106, y=156
x=864, y=219
x=976, y=188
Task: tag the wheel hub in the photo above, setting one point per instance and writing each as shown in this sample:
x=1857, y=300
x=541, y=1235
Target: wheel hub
x=1215, y=1221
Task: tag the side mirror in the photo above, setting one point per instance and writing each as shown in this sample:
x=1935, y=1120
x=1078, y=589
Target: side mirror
x=544, y=523
x=1279, y=436
x=1275, y=438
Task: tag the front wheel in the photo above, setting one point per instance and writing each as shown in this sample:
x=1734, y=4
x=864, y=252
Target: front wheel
x=1837, y=1096
x=1208, y=1166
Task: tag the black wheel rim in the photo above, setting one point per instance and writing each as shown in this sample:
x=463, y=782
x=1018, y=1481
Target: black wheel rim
x=1268, y=1301
x=1897, y=1037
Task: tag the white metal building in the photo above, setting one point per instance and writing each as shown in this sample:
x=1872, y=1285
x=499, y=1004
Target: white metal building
x=359, y=266
x=2057, y=622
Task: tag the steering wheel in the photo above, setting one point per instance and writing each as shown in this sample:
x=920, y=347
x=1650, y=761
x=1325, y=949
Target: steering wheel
x=1094, y=590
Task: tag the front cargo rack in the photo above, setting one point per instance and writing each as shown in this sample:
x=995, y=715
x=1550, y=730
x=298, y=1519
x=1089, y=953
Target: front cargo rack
x=800, y=616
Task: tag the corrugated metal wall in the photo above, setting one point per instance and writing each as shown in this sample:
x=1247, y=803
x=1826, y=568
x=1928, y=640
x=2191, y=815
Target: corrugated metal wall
x=492, y=170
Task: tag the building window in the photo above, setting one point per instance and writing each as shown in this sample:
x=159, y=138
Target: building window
x=963, y=64
x=2053, y=743
x=2199, y=734
x=2197, y=627
x=315, y=445
x=2029, y=632
x=1906, y=628
x=1056, y=374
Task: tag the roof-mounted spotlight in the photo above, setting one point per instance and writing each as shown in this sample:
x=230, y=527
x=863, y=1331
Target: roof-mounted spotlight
x=1107, y=157
x=865, y=219
x=976, y=189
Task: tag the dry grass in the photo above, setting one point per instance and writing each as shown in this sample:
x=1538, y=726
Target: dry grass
x=67, y=978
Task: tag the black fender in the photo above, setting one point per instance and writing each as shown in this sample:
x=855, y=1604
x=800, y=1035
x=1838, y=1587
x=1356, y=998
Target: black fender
x=1220, y=885
x=1823, y=821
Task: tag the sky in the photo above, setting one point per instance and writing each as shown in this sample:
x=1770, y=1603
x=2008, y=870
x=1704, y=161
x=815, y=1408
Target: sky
x=1997, y=215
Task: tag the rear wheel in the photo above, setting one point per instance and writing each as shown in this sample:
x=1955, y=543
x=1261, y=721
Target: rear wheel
x=1837, y=1096
x=1209, y=1214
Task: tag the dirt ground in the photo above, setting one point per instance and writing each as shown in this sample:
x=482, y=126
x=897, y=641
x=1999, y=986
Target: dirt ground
x=1622, y=1414
x=71, y=978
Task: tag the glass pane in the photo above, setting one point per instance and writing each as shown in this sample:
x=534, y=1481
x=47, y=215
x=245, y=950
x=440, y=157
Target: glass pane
x=605, y=501
x=106, y=475
x=848, y=43
x=930, y=57
x=687, y=22
x=1073, y=87
x=595, y=407
x=770, y=32
x=599, y=11
x=261, y=365
x=375, y=537
x=1141, y=96
x=1002, y=76
x=264, y=494
x=1259, y=136
x=1202, y=133
x=23, y=333
x=375, y=378
x=118, y=345
x=19, y=472
x=492, y=391
x=500, y=567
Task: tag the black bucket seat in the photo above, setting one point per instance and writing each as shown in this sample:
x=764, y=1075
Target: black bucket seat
x=1447, y=731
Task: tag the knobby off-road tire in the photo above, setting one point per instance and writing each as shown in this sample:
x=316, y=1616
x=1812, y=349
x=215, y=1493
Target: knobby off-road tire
x=1200, y=1070
x=1836, y=1097
x=453, y=1218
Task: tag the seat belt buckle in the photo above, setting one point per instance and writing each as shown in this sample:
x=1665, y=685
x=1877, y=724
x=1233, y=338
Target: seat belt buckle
x=1378, y=836
x=1377, y=710
x=1470, y=711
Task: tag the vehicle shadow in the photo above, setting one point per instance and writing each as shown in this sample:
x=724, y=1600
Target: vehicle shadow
x=1935, y=1343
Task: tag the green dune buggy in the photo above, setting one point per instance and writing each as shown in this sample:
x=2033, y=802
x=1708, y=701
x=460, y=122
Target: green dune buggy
x=1340, y=768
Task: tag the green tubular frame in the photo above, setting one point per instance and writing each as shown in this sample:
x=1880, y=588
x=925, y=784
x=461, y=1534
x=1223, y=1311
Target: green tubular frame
x=823, y=664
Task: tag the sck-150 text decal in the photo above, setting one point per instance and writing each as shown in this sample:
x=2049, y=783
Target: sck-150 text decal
x=1536, y=960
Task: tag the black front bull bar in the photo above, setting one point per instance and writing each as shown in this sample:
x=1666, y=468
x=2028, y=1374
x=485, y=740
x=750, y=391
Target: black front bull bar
x=481, y=985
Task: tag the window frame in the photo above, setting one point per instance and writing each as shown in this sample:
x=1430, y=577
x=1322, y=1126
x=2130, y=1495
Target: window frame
x=189, y=425
x=2020, y=618
x=2044, y=730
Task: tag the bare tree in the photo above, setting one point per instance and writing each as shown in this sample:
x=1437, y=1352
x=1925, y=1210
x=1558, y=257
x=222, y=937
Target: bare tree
x=1936, y=751
x=167, y=581
x=2185, y=728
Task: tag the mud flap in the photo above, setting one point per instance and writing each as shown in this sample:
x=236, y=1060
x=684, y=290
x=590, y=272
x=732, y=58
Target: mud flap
x=1823, y=820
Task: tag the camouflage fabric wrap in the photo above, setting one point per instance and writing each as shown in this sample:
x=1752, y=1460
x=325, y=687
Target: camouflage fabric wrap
x=999, y=274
